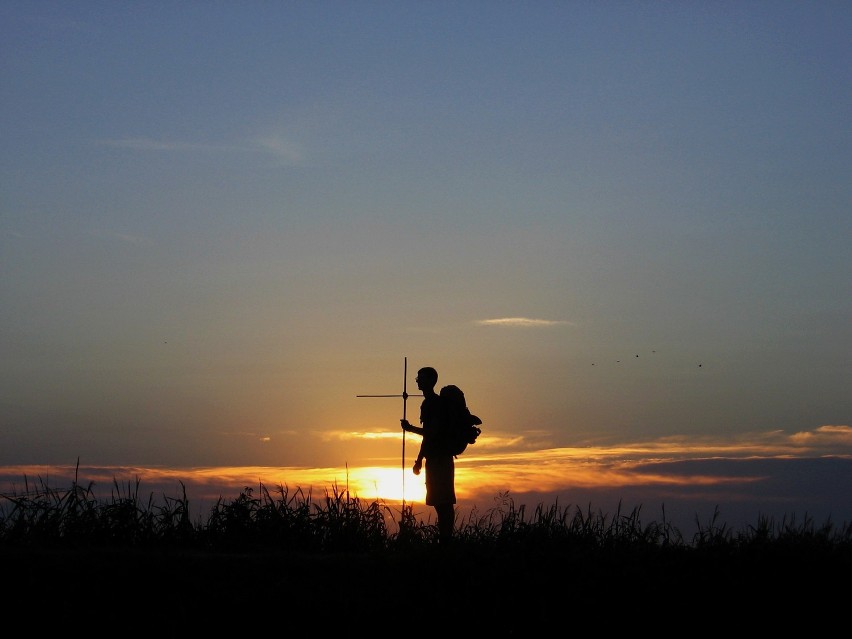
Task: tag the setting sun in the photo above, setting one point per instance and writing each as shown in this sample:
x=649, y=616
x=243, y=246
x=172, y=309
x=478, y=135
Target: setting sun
x=386, y=484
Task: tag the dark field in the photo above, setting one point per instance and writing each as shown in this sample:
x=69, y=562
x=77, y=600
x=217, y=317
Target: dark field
x=288, y=565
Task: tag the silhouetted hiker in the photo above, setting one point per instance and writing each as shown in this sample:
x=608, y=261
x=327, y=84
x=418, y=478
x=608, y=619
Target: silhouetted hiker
x=440, y=467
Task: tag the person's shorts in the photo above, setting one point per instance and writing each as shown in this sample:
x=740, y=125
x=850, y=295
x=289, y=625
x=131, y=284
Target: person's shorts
x=440, y=480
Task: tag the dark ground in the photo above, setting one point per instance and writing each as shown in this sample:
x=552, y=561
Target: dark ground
x=171, y=592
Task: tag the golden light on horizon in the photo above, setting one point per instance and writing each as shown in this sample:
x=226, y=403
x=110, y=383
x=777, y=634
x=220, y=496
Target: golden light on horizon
x=479, y=477
x=386, y=484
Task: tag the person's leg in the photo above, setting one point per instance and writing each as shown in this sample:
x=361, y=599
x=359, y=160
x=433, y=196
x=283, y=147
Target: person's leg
x=446, y=519
x=440, y=492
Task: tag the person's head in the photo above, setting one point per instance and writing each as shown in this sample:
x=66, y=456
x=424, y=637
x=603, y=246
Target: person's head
x=427, y=377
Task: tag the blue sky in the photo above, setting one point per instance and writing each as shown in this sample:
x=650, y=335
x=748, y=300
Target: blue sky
x=610, y=223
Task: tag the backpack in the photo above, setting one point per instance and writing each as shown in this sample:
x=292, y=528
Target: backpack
x=463, y=427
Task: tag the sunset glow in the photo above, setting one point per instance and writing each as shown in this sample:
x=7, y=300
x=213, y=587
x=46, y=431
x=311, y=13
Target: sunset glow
x=663, y=471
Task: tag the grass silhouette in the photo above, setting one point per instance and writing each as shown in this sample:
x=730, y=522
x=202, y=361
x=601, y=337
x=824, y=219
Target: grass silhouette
x=338, y=561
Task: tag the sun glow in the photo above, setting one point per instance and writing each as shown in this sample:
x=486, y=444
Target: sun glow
x=386, y=484
x=670, y=466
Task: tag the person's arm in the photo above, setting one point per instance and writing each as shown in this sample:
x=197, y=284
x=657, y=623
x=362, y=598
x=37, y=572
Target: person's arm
x=410, y=428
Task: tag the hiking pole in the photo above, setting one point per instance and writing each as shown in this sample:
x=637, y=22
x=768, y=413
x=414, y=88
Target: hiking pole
x=404, y=403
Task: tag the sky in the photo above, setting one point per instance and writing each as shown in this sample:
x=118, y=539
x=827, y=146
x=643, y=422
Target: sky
x=622, y=228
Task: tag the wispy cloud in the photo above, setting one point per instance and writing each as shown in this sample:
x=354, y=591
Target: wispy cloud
x=282, y=148
x=148, y=144
x=825, y=435
x=275, y=145
x=534, y=445
x=344, y=435
x=523, y=322
x=121, y=237
x=250, y=436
